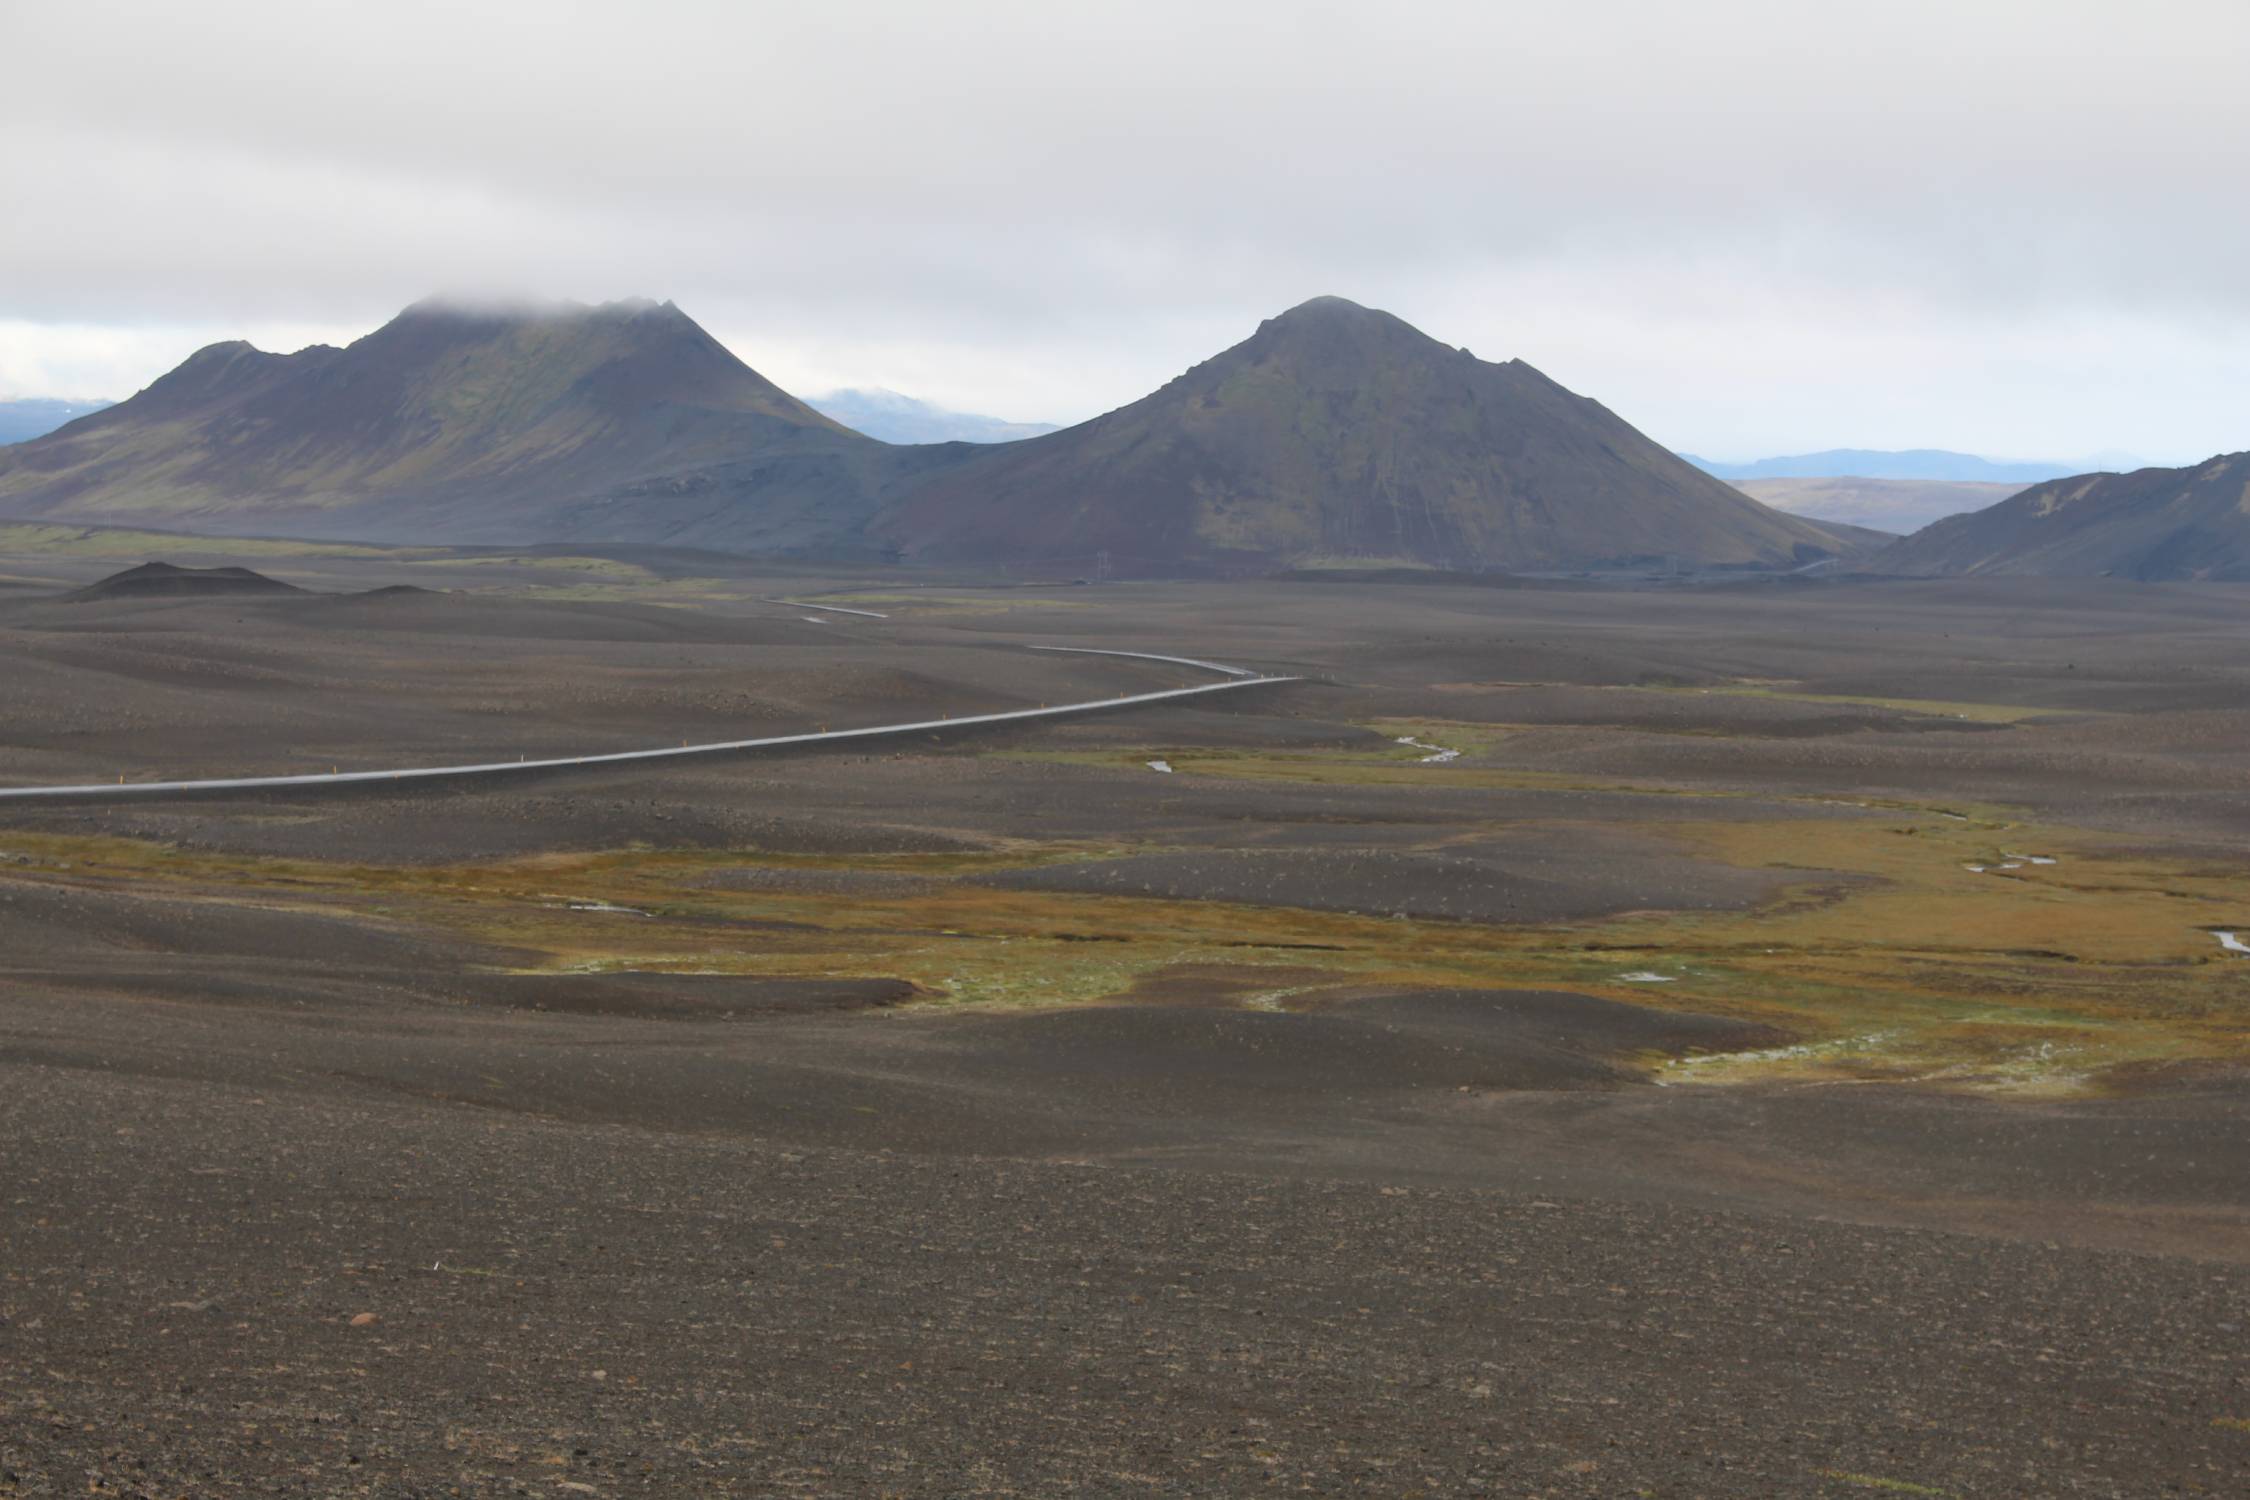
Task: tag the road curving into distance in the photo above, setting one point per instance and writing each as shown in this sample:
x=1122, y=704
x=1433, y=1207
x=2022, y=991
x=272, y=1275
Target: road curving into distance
x=142, y=791
x=1177, y=661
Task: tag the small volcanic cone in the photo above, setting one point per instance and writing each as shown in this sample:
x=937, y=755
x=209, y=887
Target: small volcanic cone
x=162, y=580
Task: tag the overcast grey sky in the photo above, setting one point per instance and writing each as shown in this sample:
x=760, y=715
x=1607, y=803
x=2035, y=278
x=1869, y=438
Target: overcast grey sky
x=2013, y=228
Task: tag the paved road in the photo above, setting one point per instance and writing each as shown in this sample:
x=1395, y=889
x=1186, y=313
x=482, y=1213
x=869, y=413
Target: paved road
x=1178, y=661
x=834, y=609
x=1239, y=678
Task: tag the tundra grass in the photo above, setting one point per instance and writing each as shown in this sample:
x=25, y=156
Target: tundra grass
x=35, y=539
x=1885, y=958
x=1939, y=708
x=608, y=569
x=1936, y=708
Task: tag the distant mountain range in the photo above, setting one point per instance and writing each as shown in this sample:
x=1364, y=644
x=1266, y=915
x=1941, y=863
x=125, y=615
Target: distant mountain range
x=35, y=416
x=1869, y=463
x=1894, y=505
x=2153, y=524
x=894, y=418
x=1333, y=433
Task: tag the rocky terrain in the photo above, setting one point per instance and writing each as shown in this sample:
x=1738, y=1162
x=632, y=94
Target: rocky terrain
x=1785, y=1049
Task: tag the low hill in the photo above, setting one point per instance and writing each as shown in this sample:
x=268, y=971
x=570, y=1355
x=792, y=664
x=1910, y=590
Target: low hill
x=162, y=580
x=2151, y=524
x=1898, y=506
x=1339, y=432
x=1873, y=463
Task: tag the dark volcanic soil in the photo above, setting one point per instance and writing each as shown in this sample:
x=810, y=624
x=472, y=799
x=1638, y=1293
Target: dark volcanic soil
x=1540, y=876
x=1232, y=1229
x=645, y=1314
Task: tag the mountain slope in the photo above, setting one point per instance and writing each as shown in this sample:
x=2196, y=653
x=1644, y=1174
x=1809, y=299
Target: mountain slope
x=1340, y=432
x=624, y=420
x=892, y=418
x=2151, y=524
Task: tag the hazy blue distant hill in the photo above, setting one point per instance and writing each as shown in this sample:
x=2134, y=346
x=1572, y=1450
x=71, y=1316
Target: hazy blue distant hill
x=1870, y=463
x=36, y=416
x=1895, y=505
x=902, y=419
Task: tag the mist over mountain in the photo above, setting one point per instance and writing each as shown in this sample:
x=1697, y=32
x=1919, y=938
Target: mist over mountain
x=1335, y=432
x=894, y=418
x=2152, y=524
x=1871, y=463
x=462, y=423
x=28, y=417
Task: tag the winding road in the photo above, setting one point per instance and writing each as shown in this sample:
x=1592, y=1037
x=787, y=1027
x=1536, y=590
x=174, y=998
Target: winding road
x=139, y=791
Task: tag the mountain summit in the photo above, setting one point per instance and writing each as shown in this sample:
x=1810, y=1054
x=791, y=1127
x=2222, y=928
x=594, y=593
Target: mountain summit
x=1340, y=432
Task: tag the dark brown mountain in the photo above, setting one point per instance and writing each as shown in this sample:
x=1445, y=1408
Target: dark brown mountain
x=2151, y=524
x=1340, y=433
x=162, y=580
x=454, y=424
x=1334, y=435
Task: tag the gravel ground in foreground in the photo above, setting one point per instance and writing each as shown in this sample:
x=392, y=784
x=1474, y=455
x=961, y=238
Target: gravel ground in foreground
x=573, y=1309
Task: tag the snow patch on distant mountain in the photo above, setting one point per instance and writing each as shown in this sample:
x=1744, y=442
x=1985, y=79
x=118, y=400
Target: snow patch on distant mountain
x=36, y=416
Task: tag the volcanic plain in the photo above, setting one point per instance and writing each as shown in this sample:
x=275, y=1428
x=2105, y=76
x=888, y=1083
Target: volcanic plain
x=1748, y=1039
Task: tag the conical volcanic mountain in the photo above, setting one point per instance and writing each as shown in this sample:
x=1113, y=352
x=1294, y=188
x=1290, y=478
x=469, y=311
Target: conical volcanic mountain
x=2152, y=524
x=1337, y=432
x=461, y=424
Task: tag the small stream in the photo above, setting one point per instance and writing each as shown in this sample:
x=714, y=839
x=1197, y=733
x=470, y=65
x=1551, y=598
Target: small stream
x=1439, y=758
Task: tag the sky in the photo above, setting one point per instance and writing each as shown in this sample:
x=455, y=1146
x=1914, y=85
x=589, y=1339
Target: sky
x=2015, y=229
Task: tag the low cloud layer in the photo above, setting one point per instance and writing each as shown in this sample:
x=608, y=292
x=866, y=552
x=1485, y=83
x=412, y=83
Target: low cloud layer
x=2013, y=228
